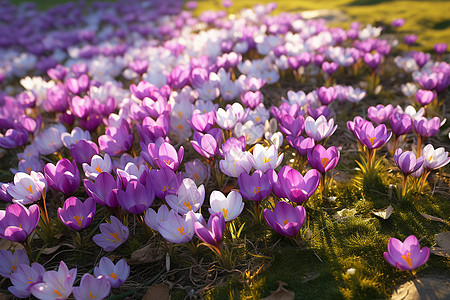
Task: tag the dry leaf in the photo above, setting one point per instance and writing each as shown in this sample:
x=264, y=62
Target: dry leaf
x=50, y=250
x=385, y=213
x=443, y=240
x=157, y=292
x=146, y=254
x=309, y=277
x=433, y=218
x=440, y=252
x=281, y=293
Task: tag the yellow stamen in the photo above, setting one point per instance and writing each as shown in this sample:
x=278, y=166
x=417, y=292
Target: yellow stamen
x=180, y=114
x=407, y=258
x=188, y=205
x=256, y=190
x=76, y=141
x=90, y=295
x=266, y=160
x=181, y=230
x=225, y=212
x=325, y=161
x=180, y=127
x=168, y=162
x=372, y=139
x=98, y=169
x=165, y=188
x=28, y=170
x=115, y=236
x=247, y=137
x=57, y=292
x=30, y=189
x=196, y=176
x=113, y=275
x=431, y=159
x=78, y=219
x=286, y=221
x=257, y=119
x=14, y=268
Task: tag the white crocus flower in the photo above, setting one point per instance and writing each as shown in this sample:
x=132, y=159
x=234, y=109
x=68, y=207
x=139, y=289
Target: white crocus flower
x=75, y=136
x=319, y=129
x=27, y=188
x=188, y=198
x=152, y=218
x=250, y=130
x=434, y=158
x=236, y=162
x=98, y=165
x=230, y=206
x=266, y=158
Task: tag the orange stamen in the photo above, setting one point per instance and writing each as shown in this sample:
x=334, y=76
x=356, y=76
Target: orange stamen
x=181, y=230
x=30, y=189
x=407, y=258
x=57, y=292
x=257, y=190
x=98, y=169
x=325, y=161
x=372, y=139
x=286, y=221
x=115, y=236
x=78, y=219
x=225, y=212
x=188, y=205
x=113, y=275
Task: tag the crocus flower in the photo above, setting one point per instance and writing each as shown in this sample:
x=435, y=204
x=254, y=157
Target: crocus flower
x=77, y=134
x=227, y=119
x=97, y=166
x=116, y=140
x=410, y=39
x=251, y=99
x=177, y=229
x=301, y=144
x=319, y=129
x=112, y=235
x=64, y=176
x=255, y=187
x=24, y=278
x=13, y=138
x=9, y=262
x=426, y=127
x=117, y=273
x=188, y=197
x=151, y=130
x=407, y=161
x=17, y=222
x=238, y=143
x=372, y=138
x=164, y=181
x=78, y=85
x=425, y=97
x=400, y=123
x=4, y=195
x=298, y=188
x=440, y=48
x=406, y=255
x=76, y=214
x=202, y=122
x=211, y=233
x=285, y=219
x=236, y=162
x=372, y=60
x=326, y=95
x=292, y=126
x=83, y=151
x=136, y=198
x=323, y=159
x=27, y=188
x=265, y=159
x=434, y=158
x=250, y=130
x=163, y=155
x=92, y=288
x=197, y=171
x=56, y=284
x=152, y=218
x=398, y=22
x=49, y=140
x=57, y=99
x=380, y=113
x=103, y=190
x=230, y=206
x=207, y=144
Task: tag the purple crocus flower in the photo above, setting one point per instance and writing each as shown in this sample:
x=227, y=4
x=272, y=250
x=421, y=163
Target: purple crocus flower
x=4, y=195
x=426, y=127
x=296, y=187
x=407, y=161
x=13, y=138
x=9, y=262
x=17, y=222
x=56, y=284
x=292, y=126
x=323, y=160
x=372, y=138
x=83, y=151
x=164, y=181
x=24, y=278
x=329, y=67
x=440, y=48
x=326, y=95
x=425, y=97
x=406, y=255
x=162, y=154
x=78, y=85
x=58, y=73
x=115, y=141
x=27, y=99
x=179, y=77
x=238, y=143
x=251, y=99
x=76, y=214
x=255, y=187
x=380, y=113
x=136, y=198
x=357, y=122
x=285, y=219
x=400, y=123
x=57, y=99
x=81, y=107
x=139, y=66
x=104, y=190
x=410, y=39
x=421, y=58
x=117, y=274
x=301, y=144
x=428, y=81
x=211, y=233
x=372, y=60
x=92, y=288
x=202, y=122
x=151, y=130
x=315, y=113
x=207, y=144
x=64, y=176
x=398, y=22
x=112, y=235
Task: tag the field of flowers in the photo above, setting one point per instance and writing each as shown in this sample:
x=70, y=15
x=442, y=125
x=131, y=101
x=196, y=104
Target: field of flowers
x=147, y=151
